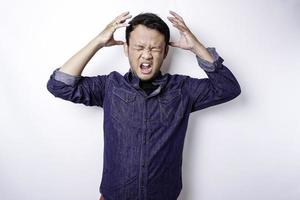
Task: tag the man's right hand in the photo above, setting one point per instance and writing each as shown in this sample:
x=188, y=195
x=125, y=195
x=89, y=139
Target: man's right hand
x=106, y=37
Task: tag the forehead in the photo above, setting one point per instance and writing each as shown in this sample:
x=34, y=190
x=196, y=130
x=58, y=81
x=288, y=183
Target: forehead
x=142, y=35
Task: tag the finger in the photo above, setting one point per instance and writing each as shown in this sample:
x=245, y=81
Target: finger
x=173, y=44
x=123, y=14
x=124, y=18
x=119, y=42
x=176, y=21
x=180, y=28
x=120, y=19
x=176, y=15
x=122, y=25
x=121, y=22
x=178, y=24
x=119, y=16
x=114, y=42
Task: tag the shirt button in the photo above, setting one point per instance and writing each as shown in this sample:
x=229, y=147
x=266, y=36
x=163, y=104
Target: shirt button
x=144, y=141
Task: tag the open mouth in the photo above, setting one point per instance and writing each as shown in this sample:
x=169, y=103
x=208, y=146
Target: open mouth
x=146, y=68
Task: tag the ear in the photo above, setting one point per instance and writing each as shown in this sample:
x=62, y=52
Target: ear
x=166, y=51
x=125, y=49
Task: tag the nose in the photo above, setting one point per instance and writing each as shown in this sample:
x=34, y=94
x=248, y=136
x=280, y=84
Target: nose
x=146, y=54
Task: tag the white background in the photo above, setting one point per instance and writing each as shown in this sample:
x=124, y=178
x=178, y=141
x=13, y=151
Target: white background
x=246, y=149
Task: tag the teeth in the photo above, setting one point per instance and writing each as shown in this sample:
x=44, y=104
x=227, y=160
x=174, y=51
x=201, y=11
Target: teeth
x=146, y=64
x=146, y=68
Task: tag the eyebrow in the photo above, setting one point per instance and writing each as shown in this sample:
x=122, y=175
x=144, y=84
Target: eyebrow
x=138, y=45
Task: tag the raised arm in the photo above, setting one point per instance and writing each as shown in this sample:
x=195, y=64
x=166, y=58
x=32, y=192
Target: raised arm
x=75, y=65
x=220, y=86
x=67, y=83
x=187, y=40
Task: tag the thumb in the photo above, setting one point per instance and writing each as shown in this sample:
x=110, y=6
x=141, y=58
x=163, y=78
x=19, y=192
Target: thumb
x=119, y=42
x=173, y=44
x=114, y=42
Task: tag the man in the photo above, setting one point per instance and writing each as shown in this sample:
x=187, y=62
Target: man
x=145, y=112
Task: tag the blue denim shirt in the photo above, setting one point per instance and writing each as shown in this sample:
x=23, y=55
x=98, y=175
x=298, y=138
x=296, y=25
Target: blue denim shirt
x=144, y=134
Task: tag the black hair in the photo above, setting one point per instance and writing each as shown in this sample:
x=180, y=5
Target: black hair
x=150, y=20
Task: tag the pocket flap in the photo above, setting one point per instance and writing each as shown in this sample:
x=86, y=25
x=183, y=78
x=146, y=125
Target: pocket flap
x=169, y=96
x=124, y=94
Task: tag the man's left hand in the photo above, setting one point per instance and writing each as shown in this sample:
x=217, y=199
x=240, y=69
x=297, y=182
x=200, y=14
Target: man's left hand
x=187, y=39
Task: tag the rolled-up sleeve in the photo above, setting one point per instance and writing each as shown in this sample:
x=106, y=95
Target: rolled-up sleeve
x=89, y=91
x=220, y=86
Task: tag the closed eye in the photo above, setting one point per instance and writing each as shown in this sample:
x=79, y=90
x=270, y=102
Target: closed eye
x=156, y=49
x=138, y=47
x=141, y=48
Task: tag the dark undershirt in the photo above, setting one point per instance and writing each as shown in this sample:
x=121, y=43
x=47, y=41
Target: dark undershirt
x=147, y=86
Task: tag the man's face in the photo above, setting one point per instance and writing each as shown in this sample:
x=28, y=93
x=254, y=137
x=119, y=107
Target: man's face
x=146, y=51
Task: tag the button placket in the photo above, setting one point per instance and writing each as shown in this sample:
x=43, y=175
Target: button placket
x=143, y=167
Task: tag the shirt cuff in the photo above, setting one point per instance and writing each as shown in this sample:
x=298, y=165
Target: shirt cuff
x=65, y=78
x=208, y=66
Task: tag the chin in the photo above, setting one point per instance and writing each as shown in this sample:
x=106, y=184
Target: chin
x=145, y=78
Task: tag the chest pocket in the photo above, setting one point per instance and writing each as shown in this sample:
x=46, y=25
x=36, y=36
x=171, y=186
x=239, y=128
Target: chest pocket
x=122, y=105
x=170, y=105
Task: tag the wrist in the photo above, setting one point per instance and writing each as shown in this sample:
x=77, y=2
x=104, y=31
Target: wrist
x=202, y=52
x=98, y=42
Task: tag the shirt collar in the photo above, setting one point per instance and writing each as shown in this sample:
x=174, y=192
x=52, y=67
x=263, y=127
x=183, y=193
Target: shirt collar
x=134, y=80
